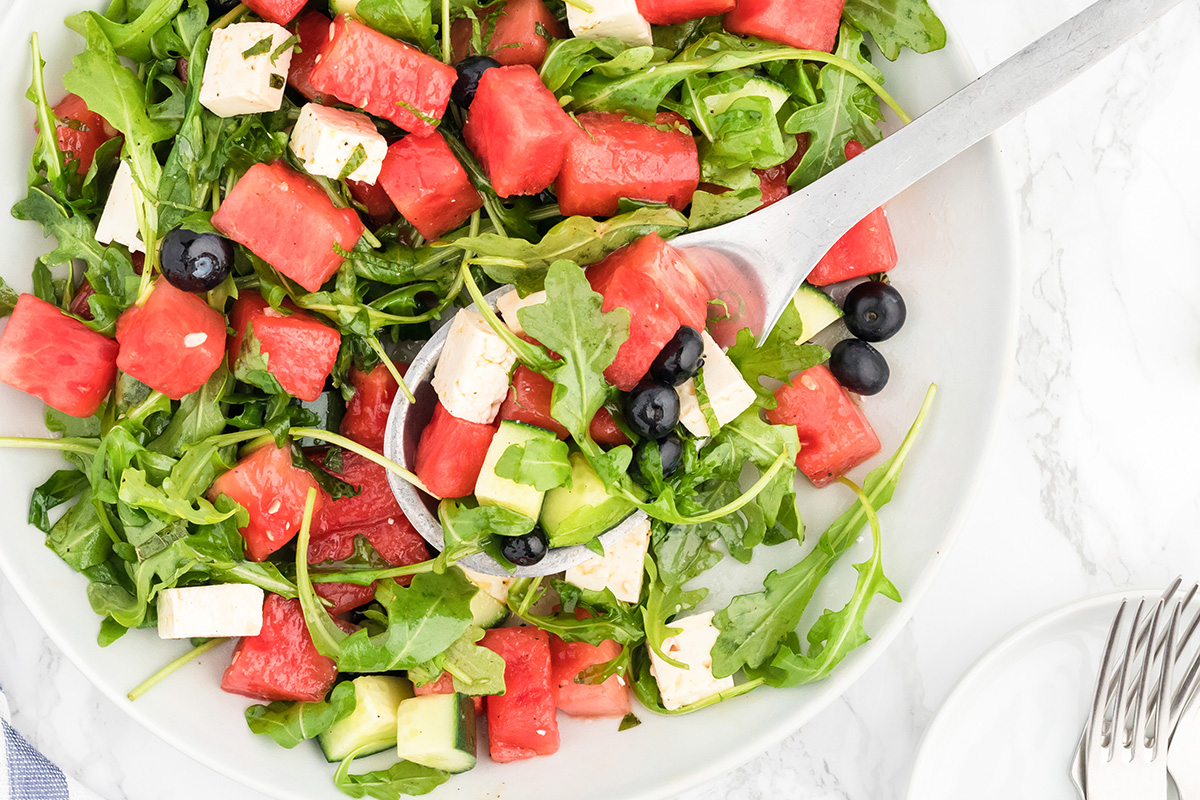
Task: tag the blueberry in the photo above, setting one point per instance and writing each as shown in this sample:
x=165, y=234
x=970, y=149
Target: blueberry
x=874, y=311
x=670, y=453
x=526, y=550
x=652, y=409
x=859, y=367
x=470, y=70
x=196, y=262
x=680, y=358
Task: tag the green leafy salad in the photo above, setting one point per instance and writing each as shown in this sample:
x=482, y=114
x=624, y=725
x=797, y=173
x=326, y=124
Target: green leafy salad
x=261, y=210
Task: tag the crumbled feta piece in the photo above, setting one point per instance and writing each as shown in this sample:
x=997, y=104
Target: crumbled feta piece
x=246, y=71
x=327, y=140
x=494, y=585
x=728, y=393
x=692, y=647
x=471, y=377
x=205, y=612
x=508, y=306
x=617, y=19
x=620, y=568
x=119, y=220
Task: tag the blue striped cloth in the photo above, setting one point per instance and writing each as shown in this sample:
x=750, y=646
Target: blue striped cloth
x=25, y=774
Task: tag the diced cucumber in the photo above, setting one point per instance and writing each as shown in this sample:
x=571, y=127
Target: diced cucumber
x=437, y=730
x=487, y=611
x=349, y=7
x=372, y=724
x=754, y=86
x=578, y=513
x=491, y=489
x=816, y=309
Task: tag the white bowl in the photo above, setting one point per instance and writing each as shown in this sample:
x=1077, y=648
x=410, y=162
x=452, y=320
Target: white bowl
x=958, y=273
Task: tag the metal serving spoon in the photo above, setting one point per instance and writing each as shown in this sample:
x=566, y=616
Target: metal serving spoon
x=762, y=259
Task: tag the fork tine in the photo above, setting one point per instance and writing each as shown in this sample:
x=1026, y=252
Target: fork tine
x=1162, y=719
x=1187, y=687
x=1121, y=708
x=1100, y=695
x=1141, y=697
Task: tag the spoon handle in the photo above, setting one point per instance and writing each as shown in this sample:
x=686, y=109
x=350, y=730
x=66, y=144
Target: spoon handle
x=798, y=231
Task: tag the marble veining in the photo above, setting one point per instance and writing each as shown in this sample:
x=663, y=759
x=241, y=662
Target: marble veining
x=1090, y=487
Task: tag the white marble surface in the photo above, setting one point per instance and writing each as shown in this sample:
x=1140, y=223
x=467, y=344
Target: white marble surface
x=1091, y=485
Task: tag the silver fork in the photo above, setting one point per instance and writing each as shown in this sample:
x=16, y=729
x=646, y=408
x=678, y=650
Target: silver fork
x=1126, y=753
x=1178, y=700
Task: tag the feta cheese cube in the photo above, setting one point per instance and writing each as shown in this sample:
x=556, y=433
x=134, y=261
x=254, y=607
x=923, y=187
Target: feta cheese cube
x=326, y=140
x=692, y=647
x=508, y=306
x=246, y=71
x=119, y=220
x=471, y=377
x=620, y=568
x=728, y=393
x=206, y=612
x=494, y=585
x=617, y=19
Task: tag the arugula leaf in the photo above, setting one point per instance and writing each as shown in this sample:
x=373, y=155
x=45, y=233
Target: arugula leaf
x=848, y=109
x=46, y=155
x=779, y=358
x=331, y=484
x=61, y=487
x=78, y=537
x=290, y=723
x=743, y=193
x=199, y=416
x=748, y=133
x=895, y=24
x=476, y=670
x=136, y=491
x=129, y=39
x=75, y=233
x=835, y=634
x=411, y=20
x=663, y=602
x=8, y=298
x=607, y=618
x=466, y=526
x=753, y=625
x=403, y=779
x=580, y=239
x=540, y=463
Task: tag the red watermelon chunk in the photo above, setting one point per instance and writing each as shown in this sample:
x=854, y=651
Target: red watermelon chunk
x=300, y=350
x=835, y=436
x=445, y=685
x=774, y=180
x=273, y=491
x=515, y=32
x=173, y=342
x=682, y=291
x=285, y=219
x=567, y=659
x=374, y=199
x=451, y=453
x=428, y=185
x=366, y=417
x=620, y=157
x=312, y=28
x=806, y=24
x=518, y=131
x=529, y=400
x=280, y=12
x=56, y=358
x=522, y=722
x=672, y=12
x=80, y=131
x=281, y=663
x=365, y=68
x=651, y=321
x=605, y=431
x=344, y=596
x=866, y=249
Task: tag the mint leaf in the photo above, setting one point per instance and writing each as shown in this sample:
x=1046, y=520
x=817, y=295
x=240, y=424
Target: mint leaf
x=411, y=20
x=258, y=48
x=290, y=723
x=895, y=24
x=355, y=161
x=540, y=463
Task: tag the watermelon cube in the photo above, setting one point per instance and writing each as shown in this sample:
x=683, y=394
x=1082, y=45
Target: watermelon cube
x=273, y=491
x=620, y=157
x=285, y=219
x=294, y=346
x=56, y=358
x=683, y=292
x=374, y=199
x=806, y=24
x=451, y=453
x=612, y=698
x=445, y=685
x=652, y=323
x=281, y=663
x=866, y=249
x=312, y=29
x=529, y=401
x=281, y=12
x=366, y=417
x=672, y=12
x=173, y=342
x=518, y=130
x=835, y=436
x=514, y=32
x=80, y=131
x=344, y=596
x=522, y=722
x=365, y=68
x=428, y=185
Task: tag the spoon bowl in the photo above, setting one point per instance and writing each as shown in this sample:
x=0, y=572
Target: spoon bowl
x=405, y=424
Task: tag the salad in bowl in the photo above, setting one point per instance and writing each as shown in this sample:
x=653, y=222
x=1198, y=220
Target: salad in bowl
x=262, y=209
